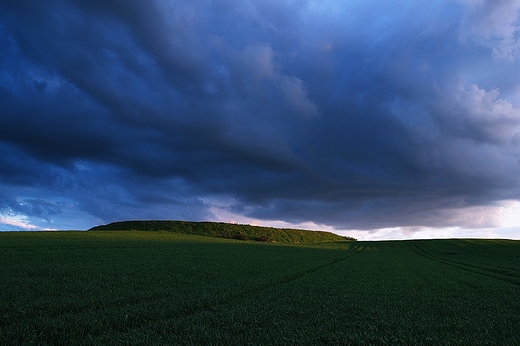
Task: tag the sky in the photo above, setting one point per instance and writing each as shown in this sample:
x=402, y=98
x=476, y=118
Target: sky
x=375, y=119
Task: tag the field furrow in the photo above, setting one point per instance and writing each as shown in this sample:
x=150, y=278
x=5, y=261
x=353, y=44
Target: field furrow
x=481, y=261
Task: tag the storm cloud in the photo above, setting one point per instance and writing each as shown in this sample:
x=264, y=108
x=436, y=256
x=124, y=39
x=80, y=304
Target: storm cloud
x=362, y=115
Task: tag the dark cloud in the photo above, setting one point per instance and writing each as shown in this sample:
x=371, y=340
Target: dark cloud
x=352, y=116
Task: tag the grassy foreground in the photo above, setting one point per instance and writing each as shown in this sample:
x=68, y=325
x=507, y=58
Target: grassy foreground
x=84, y=288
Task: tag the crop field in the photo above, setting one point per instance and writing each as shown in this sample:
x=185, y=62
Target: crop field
x=132, y=288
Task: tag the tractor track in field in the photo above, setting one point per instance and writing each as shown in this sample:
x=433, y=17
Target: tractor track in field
x=244, y=294
x=481, y=248
x=198, y=307
x=354, y=250
x=360, y=248
x=495, y=274
x=357, y=249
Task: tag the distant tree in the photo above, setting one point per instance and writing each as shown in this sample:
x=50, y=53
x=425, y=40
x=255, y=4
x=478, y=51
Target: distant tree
x=350, y=238
x=240, y=236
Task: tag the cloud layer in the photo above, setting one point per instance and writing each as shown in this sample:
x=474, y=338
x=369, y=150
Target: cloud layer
x=357, y=115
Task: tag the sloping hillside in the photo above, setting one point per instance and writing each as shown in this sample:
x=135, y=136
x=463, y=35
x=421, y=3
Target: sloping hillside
x=226, y=230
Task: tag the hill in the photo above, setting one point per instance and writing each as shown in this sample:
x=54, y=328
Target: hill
x=226, y=230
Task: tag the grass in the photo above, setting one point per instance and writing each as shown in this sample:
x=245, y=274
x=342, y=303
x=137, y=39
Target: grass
x=85, y=288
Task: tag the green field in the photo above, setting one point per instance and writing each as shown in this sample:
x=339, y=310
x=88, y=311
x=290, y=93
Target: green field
x=132, y=287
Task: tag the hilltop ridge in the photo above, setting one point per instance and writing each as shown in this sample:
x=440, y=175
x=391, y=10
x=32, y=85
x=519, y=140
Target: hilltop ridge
x=226, y=230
